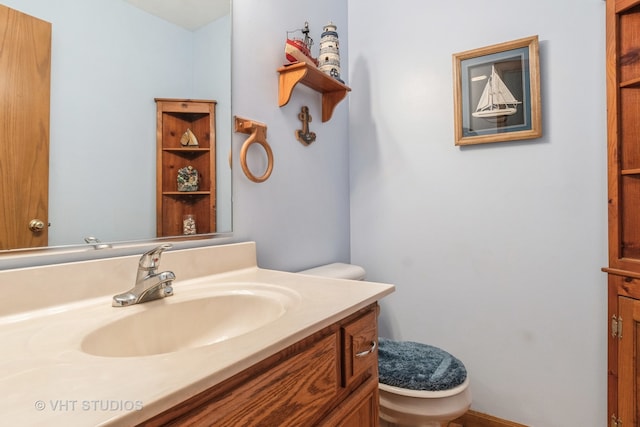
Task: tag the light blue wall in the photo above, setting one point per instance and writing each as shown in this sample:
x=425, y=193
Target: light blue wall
x=299, y=217
x=496, y=250
x=212, y=79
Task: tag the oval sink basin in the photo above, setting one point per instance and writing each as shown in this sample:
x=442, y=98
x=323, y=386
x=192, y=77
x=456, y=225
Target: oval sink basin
x=173, y=326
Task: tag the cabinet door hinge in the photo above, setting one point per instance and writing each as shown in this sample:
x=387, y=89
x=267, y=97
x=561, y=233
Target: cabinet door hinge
x=615, y=422
x=616, y=327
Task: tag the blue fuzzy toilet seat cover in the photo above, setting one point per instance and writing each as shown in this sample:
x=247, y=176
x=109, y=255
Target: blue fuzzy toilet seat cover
x=417, y=366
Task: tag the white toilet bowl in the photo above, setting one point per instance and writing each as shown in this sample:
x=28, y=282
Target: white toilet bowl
x=404, y=407
x=401, y=406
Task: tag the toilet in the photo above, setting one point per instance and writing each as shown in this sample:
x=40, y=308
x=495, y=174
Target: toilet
x=420, y=385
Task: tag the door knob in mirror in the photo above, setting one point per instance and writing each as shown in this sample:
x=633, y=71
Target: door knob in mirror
x=36, y=225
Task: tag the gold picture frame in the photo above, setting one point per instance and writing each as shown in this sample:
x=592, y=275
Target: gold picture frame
x=496, y=93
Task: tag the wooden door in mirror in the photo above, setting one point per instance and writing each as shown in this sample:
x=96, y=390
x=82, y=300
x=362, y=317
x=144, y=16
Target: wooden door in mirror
x=25, y=76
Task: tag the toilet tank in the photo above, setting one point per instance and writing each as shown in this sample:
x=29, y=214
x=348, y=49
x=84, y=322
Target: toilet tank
x=337, y=270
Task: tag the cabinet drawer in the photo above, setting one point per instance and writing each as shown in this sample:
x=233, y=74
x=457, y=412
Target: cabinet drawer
x=625, y=285
x=360, y=348
x=184, y=105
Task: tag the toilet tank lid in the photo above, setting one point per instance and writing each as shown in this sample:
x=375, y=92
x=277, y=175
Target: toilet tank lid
x=337, y=270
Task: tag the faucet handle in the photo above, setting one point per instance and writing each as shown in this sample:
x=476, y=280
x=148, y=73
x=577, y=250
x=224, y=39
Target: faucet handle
x=150, y=260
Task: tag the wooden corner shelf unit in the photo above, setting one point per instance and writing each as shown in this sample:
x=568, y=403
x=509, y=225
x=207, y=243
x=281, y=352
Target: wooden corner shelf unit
x=623, y=139
x=174, y=117
x=332, y=90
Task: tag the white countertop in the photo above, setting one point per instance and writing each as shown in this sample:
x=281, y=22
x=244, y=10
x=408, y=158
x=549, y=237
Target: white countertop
x=47, y=379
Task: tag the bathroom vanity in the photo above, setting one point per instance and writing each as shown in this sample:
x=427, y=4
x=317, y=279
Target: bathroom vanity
x=329, y=378
x=235, y=345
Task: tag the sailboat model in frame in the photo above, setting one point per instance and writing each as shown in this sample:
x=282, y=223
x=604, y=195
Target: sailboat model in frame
x=496, y=101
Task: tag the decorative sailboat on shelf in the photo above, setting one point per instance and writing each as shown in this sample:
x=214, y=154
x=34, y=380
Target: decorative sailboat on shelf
x=299, y=49
x=188, y=139
x=496, y=100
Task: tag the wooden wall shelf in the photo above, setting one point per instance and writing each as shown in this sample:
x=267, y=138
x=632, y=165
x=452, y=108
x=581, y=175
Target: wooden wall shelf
x=332, y=90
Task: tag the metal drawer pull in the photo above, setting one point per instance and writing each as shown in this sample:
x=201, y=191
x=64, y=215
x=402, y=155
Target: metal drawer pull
x=371, y=350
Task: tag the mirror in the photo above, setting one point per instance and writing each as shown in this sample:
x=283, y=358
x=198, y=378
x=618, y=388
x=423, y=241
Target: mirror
x=109, y=61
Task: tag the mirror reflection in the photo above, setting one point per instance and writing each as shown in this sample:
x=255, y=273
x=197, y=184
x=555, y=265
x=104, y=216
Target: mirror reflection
x=109, y=61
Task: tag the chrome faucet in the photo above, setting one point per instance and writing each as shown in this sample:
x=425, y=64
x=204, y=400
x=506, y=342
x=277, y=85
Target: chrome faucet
x=96, y=243
x=150, y=285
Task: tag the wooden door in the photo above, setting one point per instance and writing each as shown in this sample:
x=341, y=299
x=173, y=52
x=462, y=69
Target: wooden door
x=25, y=70
x=628, y=361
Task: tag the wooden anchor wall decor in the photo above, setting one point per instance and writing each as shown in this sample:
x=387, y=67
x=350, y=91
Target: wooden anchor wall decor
x=304, y=135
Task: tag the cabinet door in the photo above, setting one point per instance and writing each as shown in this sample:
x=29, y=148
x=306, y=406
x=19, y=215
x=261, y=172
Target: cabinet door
x=628, y=363
x=294, y=393
x=359, y=410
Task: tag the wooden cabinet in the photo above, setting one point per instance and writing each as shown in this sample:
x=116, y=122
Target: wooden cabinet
x=623, y=133
x=327, y=379
x=175, y=117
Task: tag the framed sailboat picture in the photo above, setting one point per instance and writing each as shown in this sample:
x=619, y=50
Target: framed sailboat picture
x=497, y=93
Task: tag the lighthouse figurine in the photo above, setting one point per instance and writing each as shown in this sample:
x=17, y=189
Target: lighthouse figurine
x=329, y=57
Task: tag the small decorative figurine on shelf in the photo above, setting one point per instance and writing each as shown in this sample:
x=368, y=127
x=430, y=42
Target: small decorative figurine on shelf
x=298, y=49
x=189, y=139
x=329, y=58
x=188, y=179
x=189, y=224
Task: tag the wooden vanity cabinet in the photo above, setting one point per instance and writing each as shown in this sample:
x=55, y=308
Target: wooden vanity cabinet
x=174, y=117
x=623, y=135
x=328, y=379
